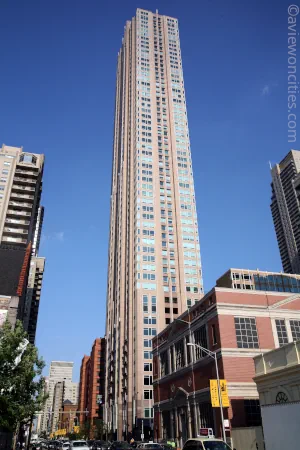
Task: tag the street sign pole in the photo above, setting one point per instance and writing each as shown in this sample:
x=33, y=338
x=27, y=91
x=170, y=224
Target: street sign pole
x=220, y=398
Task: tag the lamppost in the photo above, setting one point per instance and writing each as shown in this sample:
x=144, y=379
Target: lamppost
x=214, y=356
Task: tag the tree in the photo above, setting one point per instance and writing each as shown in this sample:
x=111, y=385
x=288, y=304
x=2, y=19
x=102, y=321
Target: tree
x=21, y=384
x=100, y=429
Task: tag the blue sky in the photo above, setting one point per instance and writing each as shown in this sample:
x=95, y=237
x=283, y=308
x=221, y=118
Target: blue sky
x=57, y=86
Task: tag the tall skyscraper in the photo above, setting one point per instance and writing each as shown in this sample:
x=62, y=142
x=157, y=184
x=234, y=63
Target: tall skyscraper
x=286, y=211
x=63, y=391
x=59, y=371
x=21, y=218
x=154, y=269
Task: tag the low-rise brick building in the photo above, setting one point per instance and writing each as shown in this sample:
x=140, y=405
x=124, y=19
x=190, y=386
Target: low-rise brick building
x=237, y=325
x=92, y=384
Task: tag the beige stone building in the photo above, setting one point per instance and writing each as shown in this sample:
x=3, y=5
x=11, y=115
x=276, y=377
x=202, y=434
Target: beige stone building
x=277, y=376
x=20, y=192
x=154, y=270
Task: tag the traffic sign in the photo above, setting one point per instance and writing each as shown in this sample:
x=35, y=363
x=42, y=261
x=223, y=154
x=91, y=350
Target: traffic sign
x=208, y=432
x=214, y=394
x=224, y=394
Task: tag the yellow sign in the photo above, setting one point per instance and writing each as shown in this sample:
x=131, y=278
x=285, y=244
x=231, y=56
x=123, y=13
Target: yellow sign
x=76, y=429
x=61, y=432
x=214, y=394
x=224, y=394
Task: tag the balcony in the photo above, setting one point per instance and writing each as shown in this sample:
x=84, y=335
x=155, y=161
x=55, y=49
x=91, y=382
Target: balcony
x=13, y=240
x=17, y=222
x=17, y=195
x=31, y=173
x=12, y=212
x=19, y=188
x=15, y=231
x=21, y=205
x=24, y=180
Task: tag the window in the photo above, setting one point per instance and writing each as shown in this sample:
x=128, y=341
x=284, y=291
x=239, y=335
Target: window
x=28, y=158
x=148, y=367
x=148, y=380
x=200, y=338
x=252, y=413
x=3, y=180
x=147, y=355
x=164, y=363
x=167, y=310
x=145, y=303
x=246, y=332
x=295, y=329
x=168, y=320
x=147, y=343
x=213, y=334
x=175, y=310
x=148, y=394
x=179, y=354
x=148, y=412
x=281, y=332
x=4, y=172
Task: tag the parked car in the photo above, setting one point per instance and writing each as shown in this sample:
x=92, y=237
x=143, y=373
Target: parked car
x=205, y=444
x=66, y=446
x=101, y=445
x=150, y=446
x=79, y=445
x=120, y=445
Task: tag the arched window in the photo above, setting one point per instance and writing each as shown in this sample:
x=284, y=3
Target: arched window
x=281, y=397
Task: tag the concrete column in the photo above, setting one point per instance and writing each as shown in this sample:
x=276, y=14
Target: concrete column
x=174, y=357
x=169, y=359
x=172, y=424
x=176, y=427
x=189, y=417
x=185, y=351
x=196, y=422
x=161, y=422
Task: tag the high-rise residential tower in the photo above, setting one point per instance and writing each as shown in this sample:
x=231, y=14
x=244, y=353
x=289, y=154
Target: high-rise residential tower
x=154, y=269
x=285, y=207
x=21, y=218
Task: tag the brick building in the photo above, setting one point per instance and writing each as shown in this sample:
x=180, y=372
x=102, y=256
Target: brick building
x=92, y=383
x=237, y=325
x=67, y=416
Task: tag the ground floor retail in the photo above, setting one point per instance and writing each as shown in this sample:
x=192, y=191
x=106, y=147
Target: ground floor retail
x=182, y=416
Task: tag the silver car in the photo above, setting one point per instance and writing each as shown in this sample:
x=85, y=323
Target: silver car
x=79, y=445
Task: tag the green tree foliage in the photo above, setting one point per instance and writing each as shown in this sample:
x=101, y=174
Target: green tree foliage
x=21, y=384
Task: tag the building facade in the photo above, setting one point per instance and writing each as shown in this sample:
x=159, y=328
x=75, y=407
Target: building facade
x=92, y=384
x=237, y=325
x=277, y=376
x=286, y=211
x=21, y=218
x=64, y=391
x=258, y=280
x=154, y=267
x=59, y=371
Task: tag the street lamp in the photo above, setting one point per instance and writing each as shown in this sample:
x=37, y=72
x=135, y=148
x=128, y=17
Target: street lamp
x=214, y=356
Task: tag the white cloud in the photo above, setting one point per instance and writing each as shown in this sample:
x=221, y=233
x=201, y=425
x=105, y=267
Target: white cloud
x=265, y=90
x=59, y=236
x=56, y=236
x=268, y=88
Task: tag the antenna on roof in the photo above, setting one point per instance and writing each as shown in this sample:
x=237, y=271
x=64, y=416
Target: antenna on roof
x=270, y=165
x=157, y=11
